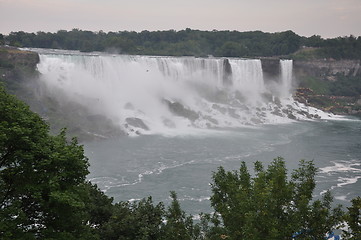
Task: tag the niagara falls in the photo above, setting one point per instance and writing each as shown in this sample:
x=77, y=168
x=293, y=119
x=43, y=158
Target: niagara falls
x=169, y=95
x=180, y=120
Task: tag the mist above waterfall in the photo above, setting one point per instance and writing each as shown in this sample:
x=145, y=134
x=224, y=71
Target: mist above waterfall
x=144, y=94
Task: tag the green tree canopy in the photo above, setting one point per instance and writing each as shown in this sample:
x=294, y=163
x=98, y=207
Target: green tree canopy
x=270, y=205
x=353, y=219
x=191, y=42
x=40, y=177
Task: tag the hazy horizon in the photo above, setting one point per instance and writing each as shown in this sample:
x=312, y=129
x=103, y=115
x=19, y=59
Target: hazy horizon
x=327, y=18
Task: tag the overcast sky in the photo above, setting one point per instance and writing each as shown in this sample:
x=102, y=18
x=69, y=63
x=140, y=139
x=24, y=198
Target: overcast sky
x=328, y=18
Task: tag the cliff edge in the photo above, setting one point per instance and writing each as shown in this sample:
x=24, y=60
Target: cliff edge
x=328, y=84
x=15, y=64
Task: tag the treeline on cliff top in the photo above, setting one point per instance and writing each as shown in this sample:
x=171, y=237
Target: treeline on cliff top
x=190, y=42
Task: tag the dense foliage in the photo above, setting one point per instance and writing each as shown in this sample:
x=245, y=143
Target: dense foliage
x=190, y=42
x=2, y=40
x=44, y=195
x=270, y=206
x=353, y=219
x=40, y=177
x=346, y=86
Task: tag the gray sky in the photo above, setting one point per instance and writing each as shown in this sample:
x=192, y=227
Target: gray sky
x=328, y=18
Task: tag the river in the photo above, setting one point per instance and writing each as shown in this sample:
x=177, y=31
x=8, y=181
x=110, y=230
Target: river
x=131, y=168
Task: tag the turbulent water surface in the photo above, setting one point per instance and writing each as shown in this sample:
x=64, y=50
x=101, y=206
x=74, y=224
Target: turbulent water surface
x=133, y=168
x=188, y=116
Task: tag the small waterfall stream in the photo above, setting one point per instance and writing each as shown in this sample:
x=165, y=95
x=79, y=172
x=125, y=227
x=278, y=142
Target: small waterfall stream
x=286, y=77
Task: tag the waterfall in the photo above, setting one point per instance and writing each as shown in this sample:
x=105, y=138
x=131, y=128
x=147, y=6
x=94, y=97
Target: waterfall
x=286, y=67
x=248, y=77
x=145, y=94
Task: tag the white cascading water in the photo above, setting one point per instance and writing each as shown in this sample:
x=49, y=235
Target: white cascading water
x=144, y=94
x=247, y=77
x=286, y=73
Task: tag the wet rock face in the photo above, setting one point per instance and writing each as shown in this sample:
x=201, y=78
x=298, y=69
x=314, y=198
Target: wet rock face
x=17, y=67
x=327, y=69
x=137, y=123
x=271, y=67
x=227, y=73
x=178, y=109
x=15, y=57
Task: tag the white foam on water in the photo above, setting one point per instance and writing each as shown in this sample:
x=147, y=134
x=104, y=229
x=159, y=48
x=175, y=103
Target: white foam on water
x=195, y=199
x=342, y=166
x=341, y=198
x=107, y=183
x=348, y=172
